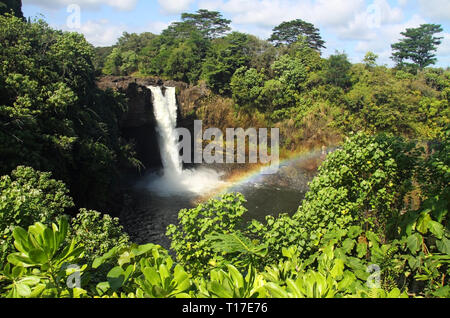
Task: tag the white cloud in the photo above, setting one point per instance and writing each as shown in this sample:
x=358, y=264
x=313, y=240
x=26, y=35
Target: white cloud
x=156, y=27
x=175, y=6
x=367, y=23
x=101, y=32
x=444, y=48
x=106, y=33
x=436, y=9
x=385, y=36
x=335, y=12
x=125, y=5
x=268, y=13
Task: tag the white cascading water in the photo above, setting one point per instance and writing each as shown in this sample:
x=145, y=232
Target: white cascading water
x=165, y=110
x=175, y=180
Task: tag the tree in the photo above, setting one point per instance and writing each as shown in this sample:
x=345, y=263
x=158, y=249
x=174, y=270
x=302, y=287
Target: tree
x=288, y=33
x=123, y=58
x=210, y=23
x=113, y=63
x=418, y=46
x=224, y=58
x=370, y=59
x=290, y=71
x=98, y=232
x=247, y=85
x=337, y=72
x=15, y=5
x=134, y=42
x=184, y=62
x=262, y=53
x=26, y=197
x=52, y=115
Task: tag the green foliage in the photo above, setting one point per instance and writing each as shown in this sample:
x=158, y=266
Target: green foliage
x=184, y=62
x=384, y=103
x=120, y=63
x=288, y=84
x=235, y=243
x=370, y=59
x=11, y=6
x=290, y=76
x=99, y=233
x=231, y=284
x=290, y=32
x=337, y=72
x=436, y=168
x=225, y=56
x=52, y=116
x=247, y=87
x=210, y=23
x=333, y=246
x=290, y=71
x=363, y=183
x=190, y=237
x=40, y=266
x=145, y=271
x=29, y=196
x=124, y=57
x=418, y=47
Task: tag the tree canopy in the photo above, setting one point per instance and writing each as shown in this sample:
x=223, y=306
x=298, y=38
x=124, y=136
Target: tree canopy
x=52, y=115
x=209, y=23
x=377, y=199
x=288, y=33
x=418, y=46
x=6, y=6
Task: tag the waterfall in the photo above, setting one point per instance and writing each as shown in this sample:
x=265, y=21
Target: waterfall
x=165, y=110
x=175, y=180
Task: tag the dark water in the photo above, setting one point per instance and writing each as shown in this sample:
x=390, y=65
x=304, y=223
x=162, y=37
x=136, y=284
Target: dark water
x=149, y=214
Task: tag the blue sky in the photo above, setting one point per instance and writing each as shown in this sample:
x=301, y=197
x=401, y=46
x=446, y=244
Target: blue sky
x=353, y=26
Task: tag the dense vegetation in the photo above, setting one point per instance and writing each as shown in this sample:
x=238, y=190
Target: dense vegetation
x=52, y=116
x=356, y=234
x=11, y=6
x=285, y=82
x=373, y=224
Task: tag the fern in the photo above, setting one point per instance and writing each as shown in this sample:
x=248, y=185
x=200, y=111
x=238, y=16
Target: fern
x=235, y=242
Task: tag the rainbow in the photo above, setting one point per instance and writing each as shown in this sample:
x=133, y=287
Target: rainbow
x=257, y=173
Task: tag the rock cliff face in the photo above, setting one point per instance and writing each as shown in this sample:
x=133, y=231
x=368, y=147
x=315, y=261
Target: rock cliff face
x=138, y=123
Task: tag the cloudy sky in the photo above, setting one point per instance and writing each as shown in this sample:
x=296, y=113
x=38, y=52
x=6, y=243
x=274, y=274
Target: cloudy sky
x=353, y=26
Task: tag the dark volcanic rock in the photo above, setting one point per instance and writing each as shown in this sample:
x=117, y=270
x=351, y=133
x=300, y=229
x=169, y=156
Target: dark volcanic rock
x=138, y=123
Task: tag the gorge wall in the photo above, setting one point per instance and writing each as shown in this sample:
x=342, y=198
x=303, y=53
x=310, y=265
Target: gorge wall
x=138, y=123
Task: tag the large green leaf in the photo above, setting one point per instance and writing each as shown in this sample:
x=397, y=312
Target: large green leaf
x=436, y=228
x=102, y=259
x=443, y=245
x=116, y=278
x=49, y=245
x=235, y=243
x=21, y=241
x=19, y=259
x=38, y=257
x=236, y=276
x=276, y=291
x=338, y=268
x=152, y=276
x=23, y=290
x=414, y=243
x=423, y=222
x=219, y=290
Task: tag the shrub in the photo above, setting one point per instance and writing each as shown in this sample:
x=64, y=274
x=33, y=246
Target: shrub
x=363, y=183
x=98, y=233
x=189, y=241
x=26, y=197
